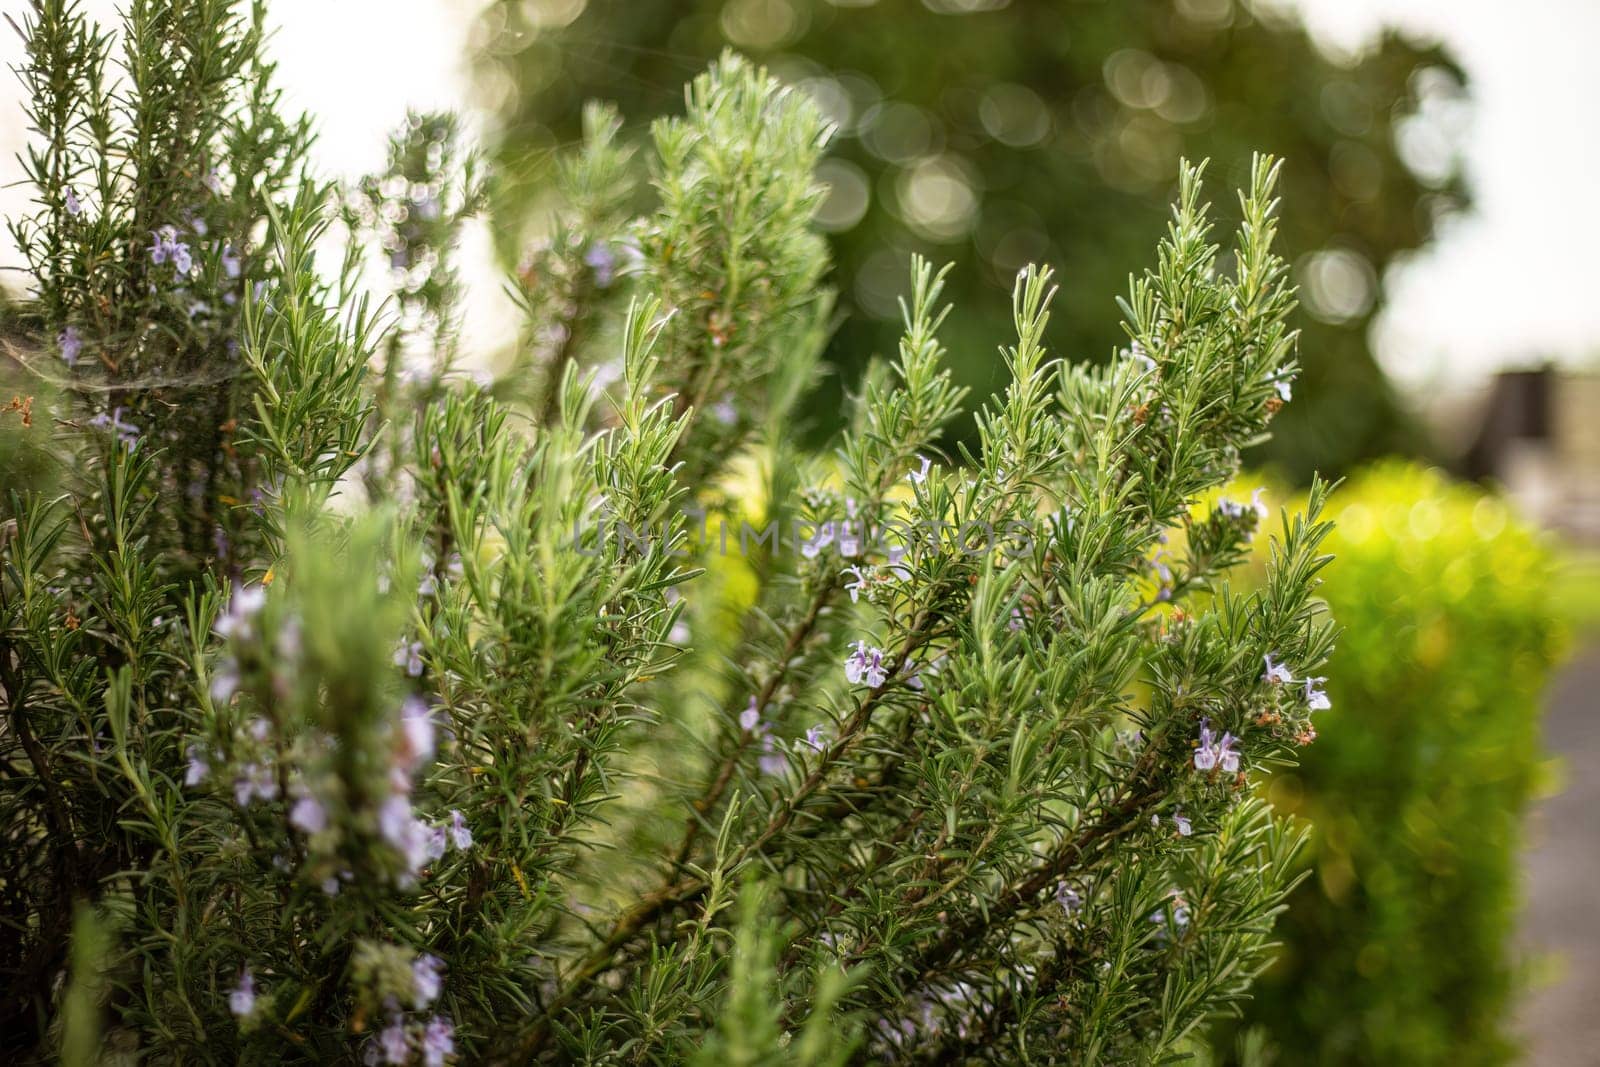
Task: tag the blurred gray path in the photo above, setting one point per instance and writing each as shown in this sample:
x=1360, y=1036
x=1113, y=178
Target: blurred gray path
x=1561, y=920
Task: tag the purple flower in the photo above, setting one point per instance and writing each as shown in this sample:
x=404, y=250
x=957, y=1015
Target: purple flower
x=213, y=182
x=750, y=717
x=812, y=547
x=1276, y=673
x=771, y=761
x=392, y=1041
x=862, y=580
x=308, y=815
x=849, y=542
x=921, y=475
x=225, y=682
x=1137, y=354
x=725, y=412
x=895, y=562
x=70, y=344
x=1179, y=911
x=438, y=1041
x=602, y=261
x=460, y=833
x=1214, y=752
x=813, y=739
x=865, y=665
x=167, y=248
x=230, y=261
x=198, y=767
x=438, y=843
x=70, y=201
x=409, y=656
x=245, y=605
x=127, y=433
x=1070, y=899
x=426, y=979
x=416, y=733
x=1285, y=390
x=1316, y=699
x=254, y=781
x=242, y=1001
x=404, y=832
x=1181, y=821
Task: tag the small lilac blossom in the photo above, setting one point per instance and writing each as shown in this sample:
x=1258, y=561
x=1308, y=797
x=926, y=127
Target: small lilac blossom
x=70, y=201
x=197, y=769
x=921, y=475
x=1276, y=673
x=1316, y=699
x=1228, y=753
x=436, y=844
x=895, y=564
x=126, y=432
x=254, y=782
x=813, y=738
x=1070, y=899
x=225, y=682
x=849, y=541
x=213, y=182
x=1213, y=752
x=426, y=979
x=1285, y=390
x=182, y=260
x=865, y=665
x=460, y=832
x=396, y=1049
x=416, y=732
x=168, y=249
x=1137, y=354
x=725, y=412
x=812, y=547
x=750, y=717
x=602, y=261
x=231, y=265
x=771, y=761
x=245, y=604
x=308, y=815
x=438, y=1041
x=1182, y=823
x=70, y=345
x=1179, y=911
x=404, y=832
x=242, y=1001
x=409, y=656
x=862, y=581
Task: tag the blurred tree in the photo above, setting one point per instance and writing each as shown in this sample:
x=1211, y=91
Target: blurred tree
x=997, y=133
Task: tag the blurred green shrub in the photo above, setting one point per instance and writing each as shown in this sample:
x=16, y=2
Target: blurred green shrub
x=996, y=134
x=1396, y=949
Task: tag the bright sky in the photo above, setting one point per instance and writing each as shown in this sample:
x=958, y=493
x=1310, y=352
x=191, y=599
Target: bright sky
x=1513, y=283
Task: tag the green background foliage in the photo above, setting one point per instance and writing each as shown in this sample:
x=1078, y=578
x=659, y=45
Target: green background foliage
x=1398, y=949
x=1064, y=124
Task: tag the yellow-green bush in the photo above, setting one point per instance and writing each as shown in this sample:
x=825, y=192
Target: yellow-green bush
x=1397, y=946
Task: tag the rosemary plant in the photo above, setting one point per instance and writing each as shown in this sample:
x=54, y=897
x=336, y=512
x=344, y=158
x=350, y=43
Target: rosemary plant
x=580, y=716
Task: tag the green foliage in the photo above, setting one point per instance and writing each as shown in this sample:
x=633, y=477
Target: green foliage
x=1398, y=949
x=1007, y=133
x=463, y=740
